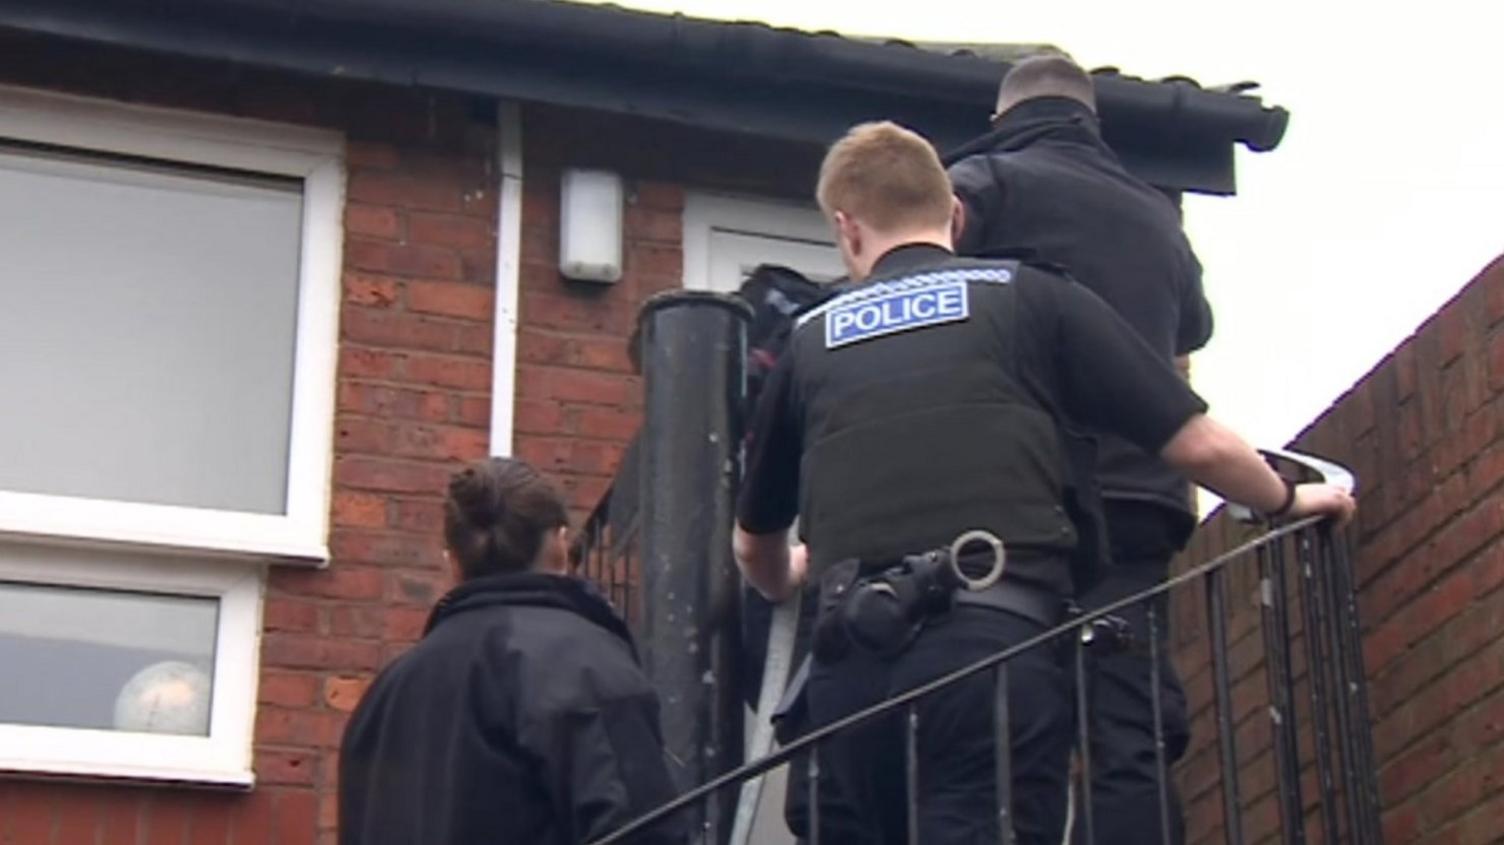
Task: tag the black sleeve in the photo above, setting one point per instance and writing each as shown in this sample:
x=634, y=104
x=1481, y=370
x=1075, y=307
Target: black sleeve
x=1110, y=378
x=1195, y=312
x=975, y=182
x=769, y=499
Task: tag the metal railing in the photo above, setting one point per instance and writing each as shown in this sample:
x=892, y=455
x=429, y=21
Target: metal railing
x=1317, y=714
x=1339, y=737
x=606, y=550
x=659, y=543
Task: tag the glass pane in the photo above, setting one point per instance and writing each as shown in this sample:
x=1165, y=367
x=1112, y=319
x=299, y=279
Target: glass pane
x=147, y=319
x=106, y=659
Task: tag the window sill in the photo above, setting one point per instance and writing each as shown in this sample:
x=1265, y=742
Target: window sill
x=237, y=779
x=246, y=547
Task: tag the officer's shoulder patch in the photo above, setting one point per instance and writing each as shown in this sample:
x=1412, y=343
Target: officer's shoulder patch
x=912, y=302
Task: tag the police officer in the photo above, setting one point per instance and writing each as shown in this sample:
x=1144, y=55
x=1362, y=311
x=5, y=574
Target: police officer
x=925, y=403
x=1043, y=182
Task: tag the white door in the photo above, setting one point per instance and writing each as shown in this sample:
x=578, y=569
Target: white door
x=725, y=238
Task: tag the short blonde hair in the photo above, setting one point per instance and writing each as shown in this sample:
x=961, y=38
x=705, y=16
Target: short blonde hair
x=887, y=177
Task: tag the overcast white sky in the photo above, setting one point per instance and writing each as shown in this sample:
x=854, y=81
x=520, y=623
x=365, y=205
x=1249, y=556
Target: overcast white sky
x=1386, y=196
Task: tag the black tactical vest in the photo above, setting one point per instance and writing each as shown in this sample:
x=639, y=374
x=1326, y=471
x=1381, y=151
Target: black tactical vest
x=917, y=426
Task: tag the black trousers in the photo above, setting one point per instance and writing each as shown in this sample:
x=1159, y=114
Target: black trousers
x=955, y=748
x=1125, y=793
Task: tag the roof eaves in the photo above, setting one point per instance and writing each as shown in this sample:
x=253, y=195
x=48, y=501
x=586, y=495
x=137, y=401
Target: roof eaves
x=669, y=65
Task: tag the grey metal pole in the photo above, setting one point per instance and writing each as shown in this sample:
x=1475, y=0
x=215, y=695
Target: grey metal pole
x=693, y=353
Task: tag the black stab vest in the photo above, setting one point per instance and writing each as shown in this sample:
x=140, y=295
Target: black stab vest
x=917, y=425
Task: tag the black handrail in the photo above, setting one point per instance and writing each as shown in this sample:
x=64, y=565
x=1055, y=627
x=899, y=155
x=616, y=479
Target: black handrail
x=604, y=551
x=1330, y=609
x=890, y=705
x=681, y=477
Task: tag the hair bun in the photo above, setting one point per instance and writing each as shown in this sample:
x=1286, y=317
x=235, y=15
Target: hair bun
x=497, y=514
x=478, y=497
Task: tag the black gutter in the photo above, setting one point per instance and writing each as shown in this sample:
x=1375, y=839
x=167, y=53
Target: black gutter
x=757, y=51
x=782, y=83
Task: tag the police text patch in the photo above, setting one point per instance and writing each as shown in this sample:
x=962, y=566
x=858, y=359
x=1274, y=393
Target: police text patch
x=864, y=318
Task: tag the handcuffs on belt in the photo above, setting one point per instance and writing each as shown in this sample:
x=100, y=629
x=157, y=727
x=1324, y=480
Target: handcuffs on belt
x=882, y=612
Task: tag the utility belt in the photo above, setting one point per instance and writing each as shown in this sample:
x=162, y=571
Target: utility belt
x=882, y=607
x=1031, y=603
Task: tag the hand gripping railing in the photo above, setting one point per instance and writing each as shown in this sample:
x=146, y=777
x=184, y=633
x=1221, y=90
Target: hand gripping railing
x=1340, y=740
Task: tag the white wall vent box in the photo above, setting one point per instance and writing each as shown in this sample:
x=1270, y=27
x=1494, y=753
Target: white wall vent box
x=590, y=226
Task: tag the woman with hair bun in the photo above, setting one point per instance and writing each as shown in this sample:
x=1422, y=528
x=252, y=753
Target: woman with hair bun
x=522, y=716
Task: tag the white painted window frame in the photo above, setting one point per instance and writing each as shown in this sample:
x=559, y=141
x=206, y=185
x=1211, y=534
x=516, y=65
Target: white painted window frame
x=708, y=213
x=315, y=157
x=224, y=757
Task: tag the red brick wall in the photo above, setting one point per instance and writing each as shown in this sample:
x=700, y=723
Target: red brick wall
x=413, y=390
x=413, y=399
x=1424, y=431
x=578, y=401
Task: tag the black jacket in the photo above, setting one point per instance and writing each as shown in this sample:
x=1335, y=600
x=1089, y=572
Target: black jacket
x=521, y=717
x=1045, y=186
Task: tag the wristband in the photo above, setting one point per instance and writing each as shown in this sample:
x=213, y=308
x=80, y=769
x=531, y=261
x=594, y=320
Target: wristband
x=1289, y=502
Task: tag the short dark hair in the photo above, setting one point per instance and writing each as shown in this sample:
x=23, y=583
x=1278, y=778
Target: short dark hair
x=1045, y=75
x=496, y=514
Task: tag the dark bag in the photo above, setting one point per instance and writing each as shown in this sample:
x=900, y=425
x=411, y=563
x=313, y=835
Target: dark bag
x=777, y=295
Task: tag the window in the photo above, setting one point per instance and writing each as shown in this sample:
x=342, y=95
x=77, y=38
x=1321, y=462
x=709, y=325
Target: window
x=169, y=329
x=171, y=292
x=127, y=665
x=726, y=237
